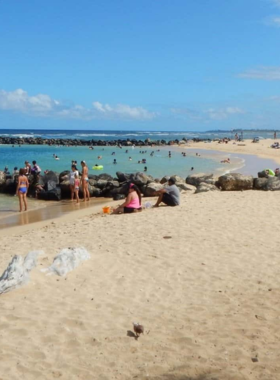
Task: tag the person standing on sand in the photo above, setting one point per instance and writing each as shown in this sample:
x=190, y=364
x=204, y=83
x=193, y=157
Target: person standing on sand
x=85, y=181
x=22, y=189
x=77, y=186
x=170, y=195
x=72, y=174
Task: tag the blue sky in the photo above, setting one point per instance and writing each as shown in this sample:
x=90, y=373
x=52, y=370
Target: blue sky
x=144, y=65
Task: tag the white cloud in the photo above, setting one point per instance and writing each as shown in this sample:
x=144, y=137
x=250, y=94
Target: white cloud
x=264, y=72
x=223, y=113
x=123, y=111
x=192, y=114
x=272, y=21
x=208, y=114
x=44, y=106
x=276, y=3
x=19, y=100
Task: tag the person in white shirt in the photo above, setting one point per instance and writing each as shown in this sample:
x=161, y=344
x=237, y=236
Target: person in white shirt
x=72, y=174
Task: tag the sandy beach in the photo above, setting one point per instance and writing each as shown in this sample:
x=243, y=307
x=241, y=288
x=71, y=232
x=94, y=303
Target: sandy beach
x=203, y=279
x=261, y=149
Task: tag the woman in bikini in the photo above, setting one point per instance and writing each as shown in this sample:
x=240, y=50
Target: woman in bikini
x=85, y=181
x=132, y=202
x=22, y=189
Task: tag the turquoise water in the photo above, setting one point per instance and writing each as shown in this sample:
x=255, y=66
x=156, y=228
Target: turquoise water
x=158, y=165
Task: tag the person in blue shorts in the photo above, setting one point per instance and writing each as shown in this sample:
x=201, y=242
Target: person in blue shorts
x=22, y=189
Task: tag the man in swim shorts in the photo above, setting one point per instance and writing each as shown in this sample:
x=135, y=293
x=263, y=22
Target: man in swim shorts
x=170, y=195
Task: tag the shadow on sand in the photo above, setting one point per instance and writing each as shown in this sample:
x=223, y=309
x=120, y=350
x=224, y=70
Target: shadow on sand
x=170, y=376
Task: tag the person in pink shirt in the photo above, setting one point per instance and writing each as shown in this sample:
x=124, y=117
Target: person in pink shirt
x=132, y=202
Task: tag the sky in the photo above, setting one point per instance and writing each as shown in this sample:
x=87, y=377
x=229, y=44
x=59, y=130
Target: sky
x=184, y=65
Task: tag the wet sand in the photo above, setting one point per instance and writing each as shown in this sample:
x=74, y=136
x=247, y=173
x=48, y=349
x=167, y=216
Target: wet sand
x=54, y=210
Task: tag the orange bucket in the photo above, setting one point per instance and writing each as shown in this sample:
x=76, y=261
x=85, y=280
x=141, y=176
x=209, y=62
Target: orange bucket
x=106, y=210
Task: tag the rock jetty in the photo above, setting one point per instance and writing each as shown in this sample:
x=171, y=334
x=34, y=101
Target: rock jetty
x=80, y=142
x=56, y=186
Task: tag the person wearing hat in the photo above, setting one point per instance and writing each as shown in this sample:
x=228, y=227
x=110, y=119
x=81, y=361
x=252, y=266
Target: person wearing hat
x=170, y=195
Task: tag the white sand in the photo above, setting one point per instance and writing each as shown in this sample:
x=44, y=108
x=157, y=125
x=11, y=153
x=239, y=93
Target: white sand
x=208, y=295
x=261, y=149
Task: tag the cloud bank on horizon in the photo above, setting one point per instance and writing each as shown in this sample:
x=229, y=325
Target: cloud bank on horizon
x=44, y=106
x=173, y=67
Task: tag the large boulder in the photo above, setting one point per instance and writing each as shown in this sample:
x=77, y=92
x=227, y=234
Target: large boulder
x=140, y=179
x=260, y=183
x=9, y=187
x=122, y=177
x=2, y=179
x=94, y=191
x=105, y=177
x=101, y=184
x=273, y=184
x=50, y=185
x=122, y=189
x=51, y=176
x=92, y=182
x=63, y=175
x=93, y=177
x=205, y=187
x=185, y=187
x=65, y=188
x=51, y=195
x=177, y=179
x=196, y=179
x=262, y=174
x=235, y=182
x=118, y=197
x=149, y=189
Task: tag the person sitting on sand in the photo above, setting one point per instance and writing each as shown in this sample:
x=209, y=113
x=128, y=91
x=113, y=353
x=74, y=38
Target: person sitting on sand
x=170, y=195
x=277, y=171
x=132, y=202
x=22, y=189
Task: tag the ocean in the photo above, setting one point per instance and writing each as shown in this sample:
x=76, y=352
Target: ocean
x=127, y=159
x=139, y=135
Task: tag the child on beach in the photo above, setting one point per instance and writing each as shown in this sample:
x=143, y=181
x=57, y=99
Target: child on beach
x=77, y=187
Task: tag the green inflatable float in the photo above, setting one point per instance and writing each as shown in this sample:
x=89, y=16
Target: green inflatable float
x=97, y=167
